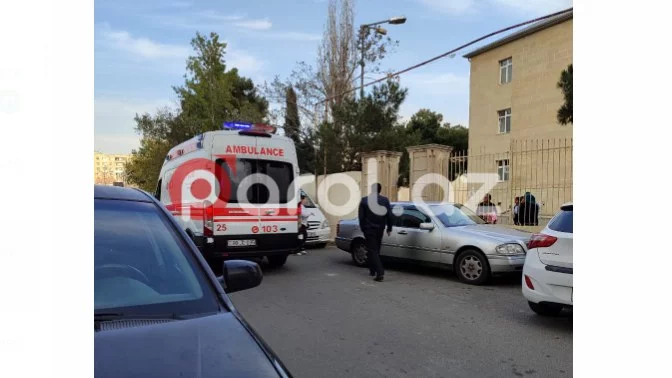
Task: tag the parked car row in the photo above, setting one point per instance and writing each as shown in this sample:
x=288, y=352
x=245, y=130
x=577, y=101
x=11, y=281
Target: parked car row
x=156, y=298
x=453, y=236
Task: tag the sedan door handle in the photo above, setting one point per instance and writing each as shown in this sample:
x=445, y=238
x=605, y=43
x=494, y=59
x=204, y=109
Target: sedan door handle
x=402, y=232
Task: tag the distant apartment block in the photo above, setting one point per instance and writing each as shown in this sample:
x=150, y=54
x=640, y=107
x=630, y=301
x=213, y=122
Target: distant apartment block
x=109, y=169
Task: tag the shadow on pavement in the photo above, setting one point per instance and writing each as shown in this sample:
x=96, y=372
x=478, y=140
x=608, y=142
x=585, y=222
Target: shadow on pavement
x=513, y=279
x=562, y=323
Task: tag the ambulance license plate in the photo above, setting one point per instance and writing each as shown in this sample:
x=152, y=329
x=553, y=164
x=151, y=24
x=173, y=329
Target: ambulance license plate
x=312, y=234
x=242, y=243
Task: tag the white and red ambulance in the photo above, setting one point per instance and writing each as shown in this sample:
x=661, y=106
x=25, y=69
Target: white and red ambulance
x=233, y=192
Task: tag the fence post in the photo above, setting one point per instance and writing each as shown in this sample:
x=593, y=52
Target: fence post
x=385, y=168
x=429, y=159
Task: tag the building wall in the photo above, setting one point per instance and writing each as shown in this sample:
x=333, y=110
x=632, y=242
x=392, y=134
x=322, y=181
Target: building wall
x=534, y=99
x=108, y=168
x=337, y=194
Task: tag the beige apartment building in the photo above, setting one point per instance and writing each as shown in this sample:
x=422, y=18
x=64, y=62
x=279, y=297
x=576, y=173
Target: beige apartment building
x=109, y=168
x=513, y=105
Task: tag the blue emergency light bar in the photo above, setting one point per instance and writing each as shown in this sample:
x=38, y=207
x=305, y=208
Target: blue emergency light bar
x=251, y=127
x=237, y=125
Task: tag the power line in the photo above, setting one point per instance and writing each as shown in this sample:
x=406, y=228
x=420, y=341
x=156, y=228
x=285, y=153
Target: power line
x=446, y=54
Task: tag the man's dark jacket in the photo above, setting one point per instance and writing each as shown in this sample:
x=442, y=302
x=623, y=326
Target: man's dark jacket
x=372, y=222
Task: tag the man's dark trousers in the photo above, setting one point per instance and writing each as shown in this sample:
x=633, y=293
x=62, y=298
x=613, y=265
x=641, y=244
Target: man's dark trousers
x=374, y=239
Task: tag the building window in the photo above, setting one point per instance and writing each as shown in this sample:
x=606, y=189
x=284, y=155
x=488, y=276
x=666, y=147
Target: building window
x=504, y=121
x=503, y=170
x=505, y=71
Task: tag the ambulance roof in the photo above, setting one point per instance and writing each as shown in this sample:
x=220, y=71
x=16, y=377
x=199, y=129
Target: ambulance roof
x=196, y=143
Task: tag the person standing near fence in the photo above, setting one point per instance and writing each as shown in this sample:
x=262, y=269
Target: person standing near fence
x=487, y=210
x=375, y=215
x=516, y=208
x=528, y=213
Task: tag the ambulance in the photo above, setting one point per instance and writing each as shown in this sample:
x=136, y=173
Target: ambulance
x=233, y=192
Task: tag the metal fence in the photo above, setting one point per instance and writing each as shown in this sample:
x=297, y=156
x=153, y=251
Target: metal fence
x=541, y=167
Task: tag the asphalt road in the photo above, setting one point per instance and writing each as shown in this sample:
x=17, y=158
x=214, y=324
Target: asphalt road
x=325, y=317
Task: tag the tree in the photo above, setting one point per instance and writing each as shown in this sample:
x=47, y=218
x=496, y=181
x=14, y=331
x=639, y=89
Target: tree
x=209, y=96
x=292, y=121
x=428, y=126
x=366, y=124
x=303, y=139
x=144, y=166
x=566, y=112
x=454, y=136
x=425, y=127
x=336, y=69
x=427, y=123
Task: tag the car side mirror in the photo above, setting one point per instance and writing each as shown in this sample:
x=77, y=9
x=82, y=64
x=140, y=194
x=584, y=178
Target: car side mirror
x=427, y=226
x=240, y=275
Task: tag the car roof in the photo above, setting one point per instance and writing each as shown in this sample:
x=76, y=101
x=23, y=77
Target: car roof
x=430, y=203
x=120, y=193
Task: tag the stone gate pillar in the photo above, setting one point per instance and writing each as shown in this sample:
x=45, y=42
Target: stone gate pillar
x=381, y=166
x=427, y=159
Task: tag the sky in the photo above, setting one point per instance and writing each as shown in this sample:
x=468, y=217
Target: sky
x=141, y=49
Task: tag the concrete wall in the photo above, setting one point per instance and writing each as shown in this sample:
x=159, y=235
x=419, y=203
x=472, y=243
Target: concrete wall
x=339, y=195
x=336, y=193
x=532, y=94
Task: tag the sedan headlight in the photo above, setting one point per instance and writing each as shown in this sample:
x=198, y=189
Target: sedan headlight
x=510, y=249
x=325, y=224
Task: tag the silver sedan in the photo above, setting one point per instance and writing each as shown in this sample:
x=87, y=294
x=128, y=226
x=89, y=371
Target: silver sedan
x=443, y=234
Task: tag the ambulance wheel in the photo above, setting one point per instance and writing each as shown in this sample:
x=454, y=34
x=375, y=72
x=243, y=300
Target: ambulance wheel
x=277, y=260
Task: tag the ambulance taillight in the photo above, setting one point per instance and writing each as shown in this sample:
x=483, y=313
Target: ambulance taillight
x=208, y=219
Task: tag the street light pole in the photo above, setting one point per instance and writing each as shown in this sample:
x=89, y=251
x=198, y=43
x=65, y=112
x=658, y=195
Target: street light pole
x=362, y=38
x=363, y=33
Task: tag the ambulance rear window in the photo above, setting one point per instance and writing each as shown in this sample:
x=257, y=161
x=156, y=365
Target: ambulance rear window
x=281, y=173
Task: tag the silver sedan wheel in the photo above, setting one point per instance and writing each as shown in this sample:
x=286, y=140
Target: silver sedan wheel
x=360, y=254
x=471, y=268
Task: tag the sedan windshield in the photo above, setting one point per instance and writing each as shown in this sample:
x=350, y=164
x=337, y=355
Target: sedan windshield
x=309, y=204
x=142, y=267
x=453, y=215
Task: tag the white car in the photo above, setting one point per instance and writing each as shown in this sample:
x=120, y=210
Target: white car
x=318, y=225
x=547, y=273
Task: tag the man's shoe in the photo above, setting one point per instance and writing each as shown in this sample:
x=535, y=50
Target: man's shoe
x=378, y=279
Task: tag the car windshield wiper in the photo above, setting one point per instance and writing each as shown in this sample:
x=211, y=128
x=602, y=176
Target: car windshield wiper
x=109, y=316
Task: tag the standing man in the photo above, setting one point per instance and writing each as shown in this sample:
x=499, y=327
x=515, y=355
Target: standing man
x=375, y=214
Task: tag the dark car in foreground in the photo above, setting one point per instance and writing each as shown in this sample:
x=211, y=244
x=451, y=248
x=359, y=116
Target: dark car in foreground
x=159, y=309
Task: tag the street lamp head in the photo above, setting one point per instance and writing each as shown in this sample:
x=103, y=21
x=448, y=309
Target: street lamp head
x=397, y=20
